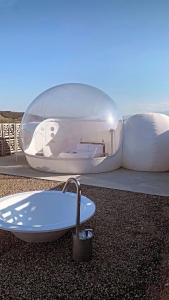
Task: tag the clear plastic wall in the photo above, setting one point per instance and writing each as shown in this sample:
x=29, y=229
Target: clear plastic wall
x=71, y=121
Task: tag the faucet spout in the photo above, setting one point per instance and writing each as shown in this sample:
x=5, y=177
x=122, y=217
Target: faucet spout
x=78, y=191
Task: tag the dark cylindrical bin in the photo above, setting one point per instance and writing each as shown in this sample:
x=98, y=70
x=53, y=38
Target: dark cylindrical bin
x=82, y=245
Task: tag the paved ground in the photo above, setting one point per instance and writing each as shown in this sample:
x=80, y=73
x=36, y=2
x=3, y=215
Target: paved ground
x=122, y=179
x=130, y=251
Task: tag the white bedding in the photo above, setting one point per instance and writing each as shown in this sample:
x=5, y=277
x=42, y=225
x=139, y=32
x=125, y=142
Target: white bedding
x=85, y=150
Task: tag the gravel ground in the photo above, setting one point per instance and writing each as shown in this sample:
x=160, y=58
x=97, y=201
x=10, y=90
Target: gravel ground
x=130, y=251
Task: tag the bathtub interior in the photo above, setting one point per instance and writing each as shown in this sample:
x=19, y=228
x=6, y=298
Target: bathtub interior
x=40, y=211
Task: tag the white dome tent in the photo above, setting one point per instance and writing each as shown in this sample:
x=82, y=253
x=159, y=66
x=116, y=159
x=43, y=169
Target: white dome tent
x=72, y=128
x=146, y=142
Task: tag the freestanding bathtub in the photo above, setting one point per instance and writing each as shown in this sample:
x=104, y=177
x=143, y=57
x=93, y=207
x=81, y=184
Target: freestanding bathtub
x=42, y=216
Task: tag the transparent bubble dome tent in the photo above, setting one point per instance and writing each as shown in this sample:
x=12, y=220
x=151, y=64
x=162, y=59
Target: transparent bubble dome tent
x=72, y=128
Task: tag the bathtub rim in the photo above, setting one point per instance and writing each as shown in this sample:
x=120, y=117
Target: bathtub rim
x=43, y=228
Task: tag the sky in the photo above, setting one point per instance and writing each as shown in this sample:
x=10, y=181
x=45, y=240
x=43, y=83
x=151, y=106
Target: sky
x=119, y=46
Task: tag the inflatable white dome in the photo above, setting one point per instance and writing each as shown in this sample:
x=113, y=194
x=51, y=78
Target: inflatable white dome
x=146, y=142
x=72, y=128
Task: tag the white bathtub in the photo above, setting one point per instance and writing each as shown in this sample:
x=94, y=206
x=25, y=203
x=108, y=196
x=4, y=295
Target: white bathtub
x=41, y=216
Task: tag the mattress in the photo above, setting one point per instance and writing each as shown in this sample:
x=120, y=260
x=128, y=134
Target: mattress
x=86, y=150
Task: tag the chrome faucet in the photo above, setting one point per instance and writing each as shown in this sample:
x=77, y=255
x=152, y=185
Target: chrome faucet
x=82, y=240
x=78, y=188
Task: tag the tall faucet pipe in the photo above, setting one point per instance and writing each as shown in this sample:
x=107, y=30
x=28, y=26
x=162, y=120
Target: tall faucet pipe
x=78, y=198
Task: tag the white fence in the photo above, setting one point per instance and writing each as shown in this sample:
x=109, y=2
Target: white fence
x=9, y=138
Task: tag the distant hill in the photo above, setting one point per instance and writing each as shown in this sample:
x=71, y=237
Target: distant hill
x=10, y=116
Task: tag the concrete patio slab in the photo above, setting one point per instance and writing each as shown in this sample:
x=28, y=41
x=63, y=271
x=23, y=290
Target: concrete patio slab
x=122, y=179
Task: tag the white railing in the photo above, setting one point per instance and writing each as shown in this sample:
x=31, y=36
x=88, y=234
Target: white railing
x=9, y=138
